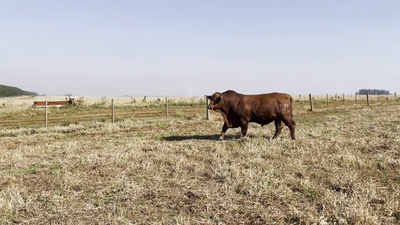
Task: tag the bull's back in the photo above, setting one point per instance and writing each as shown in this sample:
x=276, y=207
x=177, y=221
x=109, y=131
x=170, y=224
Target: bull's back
x=275, y=97
x=273, y=100
x=269, y=106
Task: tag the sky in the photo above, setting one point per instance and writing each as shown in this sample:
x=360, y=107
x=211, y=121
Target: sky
x=198, y=47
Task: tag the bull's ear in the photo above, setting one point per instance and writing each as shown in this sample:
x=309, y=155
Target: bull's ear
x=208, y=97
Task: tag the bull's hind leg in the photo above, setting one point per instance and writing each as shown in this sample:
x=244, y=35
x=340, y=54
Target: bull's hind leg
x=224, y=129
x=244, y=128
x=278, y=128
x=244, y=124
x=292, y=126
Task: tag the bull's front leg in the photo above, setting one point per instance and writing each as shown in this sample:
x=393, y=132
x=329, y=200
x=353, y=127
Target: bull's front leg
x=224, y=129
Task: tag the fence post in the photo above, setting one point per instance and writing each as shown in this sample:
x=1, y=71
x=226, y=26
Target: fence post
x=395, y=96
x=327, y=99
x=387, y=97
x=343, y=98
x=45, y=113
x=112, y=113
x=166, y=107
x=299, y=97
x=356, y=98
x=311, y=104
x=207, y=111
x=367, y=99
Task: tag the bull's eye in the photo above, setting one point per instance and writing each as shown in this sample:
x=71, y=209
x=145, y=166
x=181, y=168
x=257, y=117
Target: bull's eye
x=218, y=100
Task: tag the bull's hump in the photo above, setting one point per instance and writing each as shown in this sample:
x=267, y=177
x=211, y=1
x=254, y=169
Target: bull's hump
x=230, y=91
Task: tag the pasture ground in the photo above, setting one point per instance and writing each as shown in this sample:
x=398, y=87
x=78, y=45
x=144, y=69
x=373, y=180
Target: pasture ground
x=342, y=169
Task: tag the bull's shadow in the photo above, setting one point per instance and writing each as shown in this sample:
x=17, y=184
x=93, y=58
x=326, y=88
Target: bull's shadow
x=206, y=137
x=197, y=137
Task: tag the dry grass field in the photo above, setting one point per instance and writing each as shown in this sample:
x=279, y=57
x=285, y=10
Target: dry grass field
x=17, y=112
x=343, y=168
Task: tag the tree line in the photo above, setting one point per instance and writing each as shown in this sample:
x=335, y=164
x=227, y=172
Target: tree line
x=8, y=91
x=373, y=92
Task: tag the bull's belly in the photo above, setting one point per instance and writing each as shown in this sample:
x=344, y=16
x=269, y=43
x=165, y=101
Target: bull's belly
x=262, y=121
x=236, y=122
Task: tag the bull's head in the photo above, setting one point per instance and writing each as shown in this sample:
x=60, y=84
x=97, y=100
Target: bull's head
x=215, y=101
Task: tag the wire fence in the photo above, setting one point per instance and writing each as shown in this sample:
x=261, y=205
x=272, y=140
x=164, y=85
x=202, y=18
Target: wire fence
x=166, y=107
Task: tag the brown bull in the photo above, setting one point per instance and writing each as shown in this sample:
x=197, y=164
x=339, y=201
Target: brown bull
x=238, y=110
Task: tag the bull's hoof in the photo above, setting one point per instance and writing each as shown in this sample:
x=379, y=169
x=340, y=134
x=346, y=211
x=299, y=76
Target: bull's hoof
x=221, y=138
